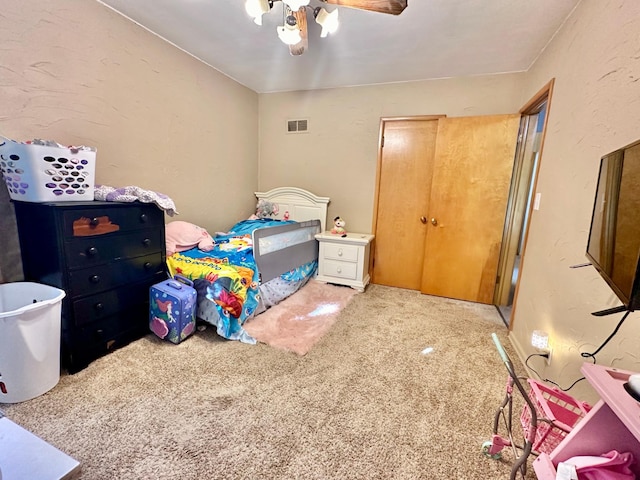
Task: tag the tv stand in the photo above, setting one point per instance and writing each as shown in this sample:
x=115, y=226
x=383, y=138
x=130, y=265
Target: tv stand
x=609, y=311
x=613, y=424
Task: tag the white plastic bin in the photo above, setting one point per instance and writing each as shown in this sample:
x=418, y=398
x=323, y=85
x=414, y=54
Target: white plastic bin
x=41, y=173
x=30, y=320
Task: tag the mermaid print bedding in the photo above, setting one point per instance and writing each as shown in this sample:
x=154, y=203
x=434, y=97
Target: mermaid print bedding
x=228, y=281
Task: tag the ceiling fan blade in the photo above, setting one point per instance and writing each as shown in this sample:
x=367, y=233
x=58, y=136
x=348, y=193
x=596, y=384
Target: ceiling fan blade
x=301, y=20
x=393, y=7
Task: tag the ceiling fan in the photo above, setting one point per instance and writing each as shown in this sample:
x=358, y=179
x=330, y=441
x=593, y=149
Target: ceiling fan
x=294, y=30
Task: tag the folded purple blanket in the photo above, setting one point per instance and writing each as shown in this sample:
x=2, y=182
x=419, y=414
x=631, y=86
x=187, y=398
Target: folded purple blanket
x=131, y=193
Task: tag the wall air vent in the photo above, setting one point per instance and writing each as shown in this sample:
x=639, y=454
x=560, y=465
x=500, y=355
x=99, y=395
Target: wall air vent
x=298, y=126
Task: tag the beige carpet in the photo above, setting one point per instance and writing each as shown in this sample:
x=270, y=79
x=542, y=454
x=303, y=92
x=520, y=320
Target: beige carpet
x=364, y=403
x=297, y=323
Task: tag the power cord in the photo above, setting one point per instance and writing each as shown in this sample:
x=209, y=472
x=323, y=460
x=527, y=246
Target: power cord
x=546, y=355
x=593, y=355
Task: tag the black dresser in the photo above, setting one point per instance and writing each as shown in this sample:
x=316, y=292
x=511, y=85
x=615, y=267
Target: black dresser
x=105, y=256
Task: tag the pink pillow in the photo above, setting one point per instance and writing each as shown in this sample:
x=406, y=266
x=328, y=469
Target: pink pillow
x=181, y=236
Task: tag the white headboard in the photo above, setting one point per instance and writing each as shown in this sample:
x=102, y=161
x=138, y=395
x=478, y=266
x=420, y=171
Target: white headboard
x=300, y=204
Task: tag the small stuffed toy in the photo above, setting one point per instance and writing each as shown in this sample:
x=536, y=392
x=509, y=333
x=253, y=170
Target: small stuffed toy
x=338, y=227
x=266, y=209
x=181, y=236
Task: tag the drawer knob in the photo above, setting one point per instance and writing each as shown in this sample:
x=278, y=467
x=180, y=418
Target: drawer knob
x=339, y=252
x=92, y=251
x=95, y=221
x=146, y=242
x=339, y=270
x=94, y=279
x=144, y=218
x=148, y=265
x=99, y=306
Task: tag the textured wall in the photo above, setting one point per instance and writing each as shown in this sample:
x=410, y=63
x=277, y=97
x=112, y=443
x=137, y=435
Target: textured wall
x=77, y=72
x=595, y=109
x=338, y=157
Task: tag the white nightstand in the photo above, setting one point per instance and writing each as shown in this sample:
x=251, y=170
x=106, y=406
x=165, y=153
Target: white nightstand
x=344, y=260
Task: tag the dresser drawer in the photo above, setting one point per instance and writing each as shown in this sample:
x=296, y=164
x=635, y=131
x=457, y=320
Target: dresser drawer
x=82, y=345
x=99, y=278
x=340, y=269
x=84, y=252
x=102, y=221
x=102, y=305
x=344, y=253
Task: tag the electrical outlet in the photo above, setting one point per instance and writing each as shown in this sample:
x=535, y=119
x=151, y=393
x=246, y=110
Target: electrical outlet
x=548, y=359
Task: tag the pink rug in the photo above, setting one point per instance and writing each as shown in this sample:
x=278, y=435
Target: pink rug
x=298, y=322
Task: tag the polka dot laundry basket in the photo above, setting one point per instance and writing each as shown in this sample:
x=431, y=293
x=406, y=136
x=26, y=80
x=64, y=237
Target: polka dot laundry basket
x=44, y=173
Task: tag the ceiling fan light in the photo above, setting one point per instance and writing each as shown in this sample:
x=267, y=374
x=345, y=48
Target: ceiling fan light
x=296, y=4
x=256, y=8
x=328, y=21
x=289, y=33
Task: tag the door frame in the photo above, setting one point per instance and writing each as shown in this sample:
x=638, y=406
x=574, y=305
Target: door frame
x=529, y=108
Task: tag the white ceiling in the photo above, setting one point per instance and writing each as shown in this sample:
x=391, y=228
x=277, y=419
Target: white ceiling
x=430, y=39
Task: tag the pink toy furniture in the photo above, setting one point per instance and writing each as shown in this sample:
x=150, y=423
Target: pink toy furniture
x=612, y=424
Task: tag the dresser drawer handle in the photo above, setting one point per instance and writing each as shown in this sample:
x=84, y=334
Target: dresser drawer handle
x=339, y=270
x=146, y=242
x=92, y=251
x=99, y=307
x=148, y=265
x=94, y=278
x=95, y=221
x=339, y=252
x=144, y=218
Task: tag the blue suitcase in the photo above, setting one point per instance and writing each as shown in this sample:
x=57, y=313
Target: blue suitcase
x=172, y=309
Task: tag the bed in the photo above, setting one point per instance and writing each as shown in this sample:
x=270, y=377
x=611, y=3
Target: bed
x=258, y=263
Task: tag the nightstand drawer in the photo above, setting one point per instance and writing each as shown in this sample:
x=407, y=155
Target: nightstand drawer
x=86, y=251
x=341, y=269
x=344, y=253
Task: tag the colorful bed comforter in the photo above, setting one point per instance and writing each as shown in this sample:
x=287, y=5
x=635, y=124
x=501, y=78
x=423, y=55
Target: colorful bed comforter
x=228, y=282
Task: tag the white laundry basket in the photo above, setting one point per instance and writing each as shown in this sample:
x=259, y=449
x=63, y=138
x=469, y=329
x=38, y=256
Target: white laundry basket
x=30, y=320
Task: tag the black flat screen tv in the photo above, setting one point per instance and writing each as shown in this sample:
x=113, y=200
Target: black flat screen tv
x=614, y=237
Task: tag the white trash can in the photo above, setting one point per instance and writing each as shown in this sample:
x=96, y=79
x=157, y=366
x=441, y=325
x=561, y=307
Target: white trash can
x=30, y=324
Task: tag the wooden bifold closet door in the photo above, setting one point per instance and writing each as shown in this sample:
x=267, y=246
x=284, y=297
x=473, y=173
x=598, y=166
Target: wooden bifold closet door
x=443, y=185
